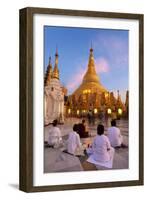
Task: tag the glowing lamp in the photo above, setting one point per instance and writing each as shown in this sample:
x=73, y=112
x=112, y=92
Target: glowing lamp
x=109, y=111
x=106, y=95
x=69, y=111
x=119, y=111
x=95, y=110
x=78, y=112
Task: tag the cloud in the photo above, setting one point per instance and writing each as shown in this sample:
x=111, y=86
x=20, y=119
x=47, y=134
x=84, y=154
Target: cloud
x=114, y=46
x=76, y=79
x=101, y=65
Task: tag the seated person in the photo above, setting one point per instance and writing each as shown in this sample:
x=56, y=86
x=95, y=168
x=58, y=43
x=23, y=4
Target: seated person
x=115, y=136
x=73, y=142
x=54, y=139
x=82, y=130
x=101, y=149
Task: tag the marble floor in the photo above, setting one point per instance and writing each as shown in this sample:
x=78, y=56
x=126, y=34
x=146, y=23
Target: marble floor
x=57, y=161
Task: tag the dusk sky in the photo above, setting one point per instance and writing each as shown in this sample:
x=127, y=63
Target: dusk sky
x=110, y=53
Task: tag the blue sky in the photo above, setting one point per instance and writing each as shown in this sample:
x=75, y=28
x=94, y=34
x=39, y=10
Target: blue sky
x=110, y=53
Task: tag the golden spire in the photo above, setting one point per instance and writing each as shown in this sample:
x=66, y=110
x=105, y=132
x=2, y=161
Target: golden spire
x=56, y=70
x=91, y=75
x=127, y=98
x=118, y=96
x=127, y=103
x=119, y=101
x=91, y=82
x=48, y=74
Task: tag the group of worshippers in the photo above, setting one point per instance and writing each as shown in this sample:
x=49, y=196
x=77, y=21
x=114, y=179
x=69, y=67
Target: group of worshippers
x=102, y=147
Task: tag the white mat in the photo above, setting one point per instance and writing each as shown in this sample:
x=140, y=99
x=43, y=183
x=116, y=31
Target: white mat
x=108, y=164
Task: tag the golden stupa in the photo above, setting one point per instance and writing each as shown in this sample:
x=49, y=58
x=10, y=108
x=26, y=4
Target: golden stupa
x=91, y=81
x=91, y=95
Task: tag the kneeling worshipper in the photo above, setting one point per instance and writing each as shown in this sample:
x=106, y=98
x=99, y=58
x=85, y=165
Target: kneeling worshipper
x=74, y=145
x=101, y=153
x=55, y=139
x=115, y=136
x=83, y=129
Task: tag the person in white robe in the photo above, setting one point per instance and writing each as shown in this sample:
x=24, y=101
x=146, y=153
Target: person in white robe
x=101, y=149
x=73, y=142
x=114, y=135
x=55, y=139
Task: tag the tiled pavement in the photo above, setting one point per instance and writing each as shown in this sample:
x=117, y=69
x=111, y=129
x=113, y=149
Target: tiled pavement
x=57, y=161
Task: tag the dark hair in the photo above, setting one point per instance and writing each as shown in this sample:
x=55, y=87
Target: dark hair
x=100, y=129
x=83, y=121
x=75, y=127
x=55, y=122
x=113, y=123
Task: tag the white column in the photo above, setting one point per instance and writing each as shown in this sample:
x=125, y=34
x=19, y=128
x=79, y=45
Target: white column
x=62, y=108
x=59, y=107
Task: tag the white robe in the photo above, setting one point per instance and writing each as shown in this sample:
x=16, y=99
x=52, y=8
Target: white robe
x=115, y=136
x=73, y=142
x=101, y=149
x=54, y=138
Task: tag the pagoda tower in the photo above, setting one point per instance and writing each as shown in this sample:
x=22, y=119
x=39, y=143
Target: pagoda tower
x=48, y=74
x=87, y=97
x=127, y=103
x=119, y=103
x=56, y=70
x=53, y=94
x=91, y=81
x=90, y=97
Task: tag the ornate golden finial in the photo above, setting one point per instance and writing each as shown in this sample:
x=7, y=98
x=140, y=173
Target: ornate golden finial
x=56, y=70
x=49, y=63
x=117, y=93
x=56, y=51
x=91, y=75
x=91, y=59
x=48, y=74
x=91, y=49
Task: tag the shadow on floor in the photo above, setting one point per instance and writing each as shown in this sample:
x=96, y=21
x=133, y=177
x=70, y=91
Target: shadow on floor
x=14, y=185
